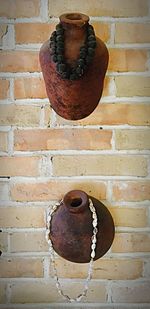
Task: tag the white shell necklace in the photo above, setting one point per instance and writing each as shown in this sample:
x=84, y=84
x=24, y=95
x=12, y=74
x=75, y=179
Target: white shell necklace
x=52, y=255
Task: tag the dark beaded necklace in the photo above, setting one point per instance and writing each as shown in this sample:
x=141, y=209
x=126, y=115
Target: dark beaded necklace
x=87, y=52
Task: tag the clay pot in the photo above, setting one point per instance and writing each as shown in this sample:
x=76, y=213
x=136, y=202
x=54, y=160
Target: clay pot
x=71, y=228
x=74, y=99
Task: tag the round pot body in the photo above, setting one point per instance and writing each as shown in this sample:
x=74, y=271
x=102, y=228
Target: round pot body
x=76, y=99
x=72, y=230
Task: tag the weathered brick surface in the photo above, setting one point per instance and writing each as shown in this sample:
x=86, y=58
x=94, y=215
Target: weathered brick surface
x=3, y=286
x=128, y=86
x=19, y=166
x=4, y=191
x=3, y=141
x=131, y=242
x=3, y=30
x=19, y=8
x=131, y=191
x=28, y=242
x=47, y=292
x=99, y=165
x=133, y=292
x=122, y=269
x=56, y=139
x=55, y=190
x=3, y=242
x=21, y=115
x=124, y=60
x=26, y=33
x=132, y=139
x=102, y=30
x=19, y=61
x=132, y=33
x=43, y=156
x=4, y=89
x=115, y=114
x=29, y=88
x=21, y=267
x=129, y=217
x=114, y=8
x=20, y=217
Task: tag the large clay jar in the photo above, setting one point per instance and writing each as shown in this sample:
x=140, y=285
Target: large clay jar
x=74, y=99
x=71, y=228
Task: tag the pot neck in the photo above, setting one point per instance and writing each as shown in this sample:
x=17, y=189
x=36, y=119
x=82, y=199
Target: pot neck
x=76, y=201
x=75, y=25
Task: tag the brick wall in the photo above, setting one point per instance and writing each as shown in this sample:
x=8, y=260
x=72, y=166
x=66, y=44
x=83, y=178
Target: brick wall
x=40, y=151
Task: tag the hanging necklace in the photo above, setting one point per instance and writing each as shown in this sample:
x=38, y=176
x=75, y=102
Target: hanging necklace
x=87, y=52
x=93, y=249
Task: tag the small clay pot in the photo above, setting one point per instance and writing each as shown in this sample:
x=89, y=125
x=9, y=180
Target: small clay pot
x=74, y=99
x=71, y=228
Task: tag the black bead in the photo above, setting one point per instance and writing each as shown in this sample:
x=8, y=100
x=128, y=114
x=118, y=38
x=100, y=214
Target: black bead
x=60, y=44
x=60, y=50
x=92, y=44
x=91, y=37
x=60, y=31
x=58, y=26
x=64, y=75
x=85, y=58
x=53, y=50
x=90, y=32
x=83, y=49
x=91, y=51
x=88, y=59
x=61, y=67
x=52, y=43
x=60, y=58
x=53, y=35
x=59, y=38
x=54, y=58
x=73, y=76
x=81, y=62
x=82, y=55
x=79, y=71
x=90, y=27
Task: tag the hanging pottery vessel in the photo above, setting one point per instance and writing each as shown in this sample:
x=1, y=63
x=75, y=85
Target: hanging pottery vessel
x=74, y=63
x=71, y=228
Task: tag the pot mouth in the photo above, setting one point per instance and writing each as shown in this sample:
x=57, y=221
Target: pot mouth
x=76, y=200
x=75, y=18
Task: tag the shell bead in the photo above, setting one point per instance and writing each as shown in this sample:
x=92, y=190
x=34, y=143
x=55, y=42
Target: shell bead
x=93, y=247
